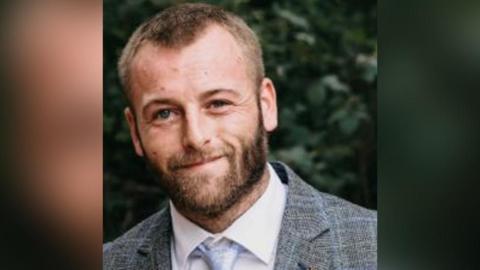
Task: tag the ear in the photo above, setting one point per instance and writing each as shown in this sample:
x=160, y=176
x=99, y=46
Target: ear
x=132, y=124
x=268, y=103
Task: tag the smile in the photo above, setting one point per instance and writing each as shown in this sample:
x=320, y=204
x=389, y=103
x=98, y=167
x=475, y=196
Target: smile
x=200, y=163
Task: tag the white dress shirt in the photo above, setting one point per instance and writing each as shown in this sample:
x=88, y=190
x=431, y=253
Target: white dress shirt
x=256, y=230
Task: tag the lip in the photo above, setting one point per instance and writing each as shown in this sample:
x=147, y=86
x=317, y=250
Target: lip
x=200, y=163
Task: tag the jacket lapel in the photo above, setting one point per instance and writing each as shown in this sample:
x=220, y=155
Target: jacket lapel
x=154, y=251
x=304, y=240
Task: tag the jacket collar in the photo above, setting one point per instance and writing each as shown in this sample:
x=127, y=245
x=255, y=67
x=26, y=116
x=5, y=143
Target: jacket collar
x=305, y=225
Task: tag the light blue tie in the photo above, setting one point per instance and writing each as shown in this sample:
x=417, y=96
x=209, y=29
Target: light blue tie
x=219, y=257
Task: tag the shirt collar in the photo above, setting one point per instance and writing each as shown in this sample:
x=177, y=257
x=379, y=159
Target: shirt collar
x=256, y=230
x=186, y=236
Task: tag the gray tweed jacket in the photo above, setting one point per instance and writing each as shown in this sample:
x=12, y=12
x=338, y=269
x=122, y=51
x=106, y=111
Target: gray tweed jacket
x=318, y=231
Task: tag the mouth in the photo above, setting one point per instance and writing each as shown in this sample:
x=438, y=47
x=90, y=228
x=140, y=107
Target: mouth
x=200, y=163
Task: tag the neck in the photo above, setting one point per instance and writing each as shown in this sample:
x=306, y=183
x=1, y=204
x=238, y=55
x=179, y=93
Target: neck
x=224, y=220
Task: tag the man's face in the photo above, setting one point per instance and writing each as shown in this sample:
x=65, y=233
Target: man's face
x=200, y=121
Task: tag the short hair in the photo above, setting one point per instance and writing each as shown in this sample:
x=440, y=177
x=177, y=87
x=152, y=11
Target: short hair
x=179, y=26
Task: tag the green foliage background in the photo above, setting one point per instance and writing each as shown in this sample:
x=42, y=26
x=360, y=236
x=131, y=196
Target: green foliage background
x=322, y=57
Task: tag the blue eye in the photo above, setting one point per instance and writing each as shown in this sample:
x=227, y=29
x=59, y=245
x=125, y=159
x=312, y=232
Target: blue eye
x=218, y=103
x=164, y=114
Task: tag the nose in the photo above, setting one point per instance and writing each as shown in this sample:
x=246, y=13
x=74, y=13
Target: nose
x=196, y=131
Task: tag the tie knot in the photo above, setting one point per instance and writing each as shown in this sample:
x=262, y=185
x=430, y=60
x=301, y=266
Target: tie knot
x=221, y=255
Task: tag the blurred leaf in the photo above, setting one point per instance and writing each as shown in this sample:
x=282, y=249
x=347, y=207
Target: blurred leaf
x=332, y=82
x=349, y=124
x=317, y=93
x=291, y=17
x=368, y=65
x=308, y=38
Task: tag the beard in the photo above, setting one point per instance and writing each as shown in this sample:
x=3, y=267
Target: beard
x=190, y=192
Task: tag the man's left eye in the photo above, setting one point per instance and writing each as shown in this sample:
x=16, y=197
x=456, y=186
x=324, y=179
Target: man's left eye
x=218, y=104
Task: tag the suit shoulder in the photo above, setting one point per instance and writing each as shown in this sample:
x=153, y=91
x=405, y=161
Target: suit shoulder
x=139, y=231
x=352, y=221
x=128, y=243
x=343, y=210
x=353, y=231
x=337, y=209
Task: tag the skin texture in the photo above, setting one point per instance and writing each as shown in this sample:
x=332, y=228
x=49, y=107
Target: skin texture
x=201, y=123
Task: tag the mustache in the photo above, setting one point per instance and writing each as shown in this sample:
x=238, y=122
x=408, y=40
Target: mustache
x=186, y=159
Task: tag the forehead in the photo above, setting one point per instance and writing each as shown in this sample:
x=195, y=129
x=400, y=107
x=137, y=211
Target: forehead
x=213, y=61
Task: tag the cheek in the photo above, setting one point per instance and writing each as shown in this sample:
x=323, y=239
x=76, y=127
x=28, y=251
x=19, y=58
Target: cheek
x=240, y=130
x=160, y=146
x=244, y=122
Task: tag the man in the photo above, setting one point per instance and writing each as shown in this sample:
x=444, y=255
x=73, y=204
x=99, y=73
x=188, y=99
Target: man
x=199, y=111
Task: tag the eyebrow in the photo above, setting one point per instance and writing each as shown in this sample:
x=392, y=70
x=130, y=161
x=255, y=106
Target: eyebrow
x=213, y=92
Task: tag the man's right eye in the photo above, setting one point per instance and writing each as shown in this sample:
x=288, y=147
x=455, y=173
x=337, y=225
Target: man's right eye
x=163, y=114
